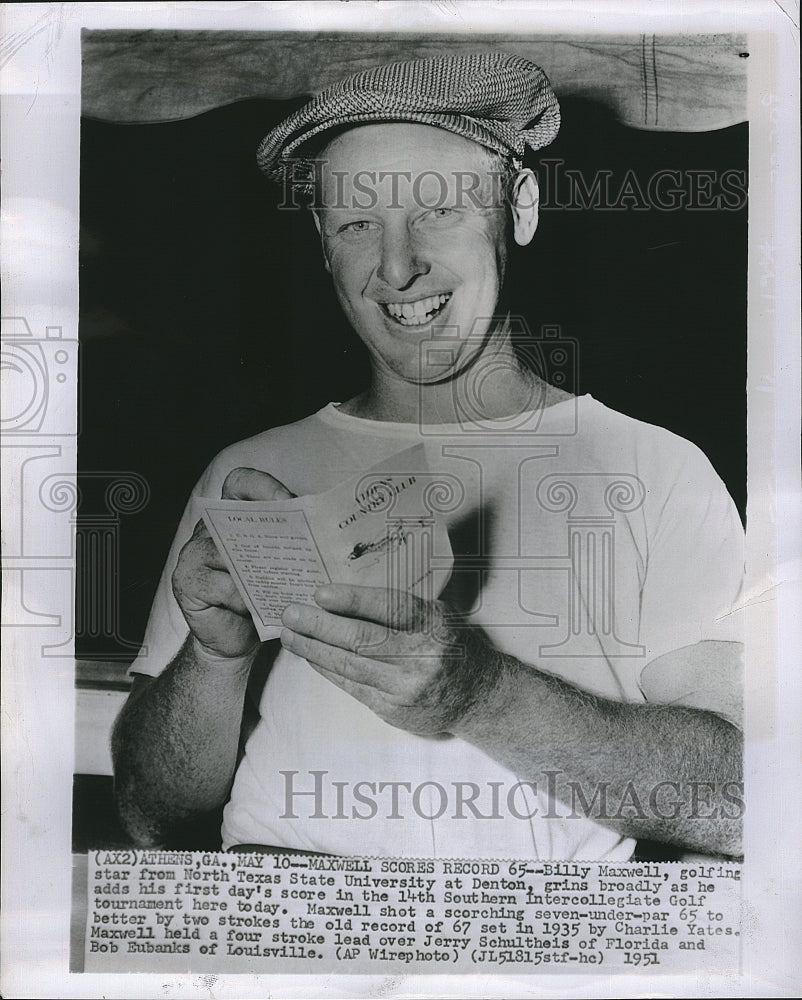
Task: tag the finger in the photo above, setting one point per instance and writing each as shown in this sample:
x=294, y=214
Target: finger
x=201, y=550
x=394, y=608
x=341, y=662
x=210, y=588
x=200, y=531
x=251, y=484
x=347, y=633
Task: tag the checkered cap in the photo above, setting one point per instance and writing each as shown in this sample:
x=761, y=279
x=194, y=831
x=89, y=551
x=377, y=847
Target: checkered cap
x=502, y=101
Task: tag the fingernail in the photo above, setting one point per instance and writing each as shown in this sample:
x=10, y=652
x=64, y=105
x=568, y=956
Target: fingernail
x=286, y=638
x=324, y=593
x=291, y=615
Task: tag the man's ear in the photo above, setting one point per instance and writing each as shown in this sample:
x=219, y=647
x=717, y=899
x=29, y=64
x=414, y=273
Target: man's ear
x=524, y=202
x=319, y=228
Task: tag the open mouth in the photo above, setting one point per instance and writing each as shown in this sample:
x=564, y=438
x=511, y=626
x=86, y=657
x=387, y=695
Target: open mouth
x=416, y=313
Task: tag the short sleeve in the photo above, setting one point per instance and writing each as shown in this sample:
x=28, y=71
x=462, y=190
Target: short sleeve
x=707, y=675
x=690, y=623
x=167, y=629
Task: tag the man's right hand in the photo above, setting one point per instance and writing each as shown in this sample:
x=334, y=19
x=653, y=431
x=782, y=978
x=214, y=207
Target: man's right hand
x=207, y=595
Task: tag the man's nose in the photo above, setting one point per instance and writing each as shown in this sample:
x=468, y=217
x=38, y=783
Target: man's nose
x=401, y=261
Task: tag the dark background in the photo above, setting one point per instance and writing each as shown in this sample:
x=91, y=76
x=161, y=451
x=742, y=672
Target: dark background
x=206, y=315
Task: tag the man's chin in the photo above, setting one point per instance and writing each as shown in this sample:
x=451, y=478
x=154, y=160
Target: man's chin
x=463, y=365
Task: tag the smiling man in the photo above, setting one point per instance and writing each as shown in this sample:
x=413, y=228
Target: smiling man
x=576, y=684
x=421, y=249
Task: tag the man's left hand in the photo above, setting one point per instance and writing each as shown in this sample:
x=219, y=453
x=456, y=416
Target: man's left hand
x=410, y=661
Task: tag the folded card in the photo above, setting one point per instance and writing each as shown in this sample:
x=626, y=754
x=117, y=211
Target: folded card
x=377, y=530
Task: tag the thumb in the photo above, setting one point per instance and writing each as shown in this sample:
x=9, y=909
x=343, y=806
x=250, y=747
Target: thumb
x=251, y=484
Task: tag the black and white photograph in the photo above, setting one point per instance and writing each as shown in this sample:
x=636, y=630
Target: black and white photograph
x=402, y=504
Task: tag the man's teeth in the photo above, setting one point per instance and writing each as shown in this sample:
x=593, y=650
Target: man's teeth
x=416, y=313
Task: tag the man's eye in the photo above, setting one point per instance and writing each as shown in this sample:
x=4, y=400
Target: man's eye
x=357, y=228
x=440, y=217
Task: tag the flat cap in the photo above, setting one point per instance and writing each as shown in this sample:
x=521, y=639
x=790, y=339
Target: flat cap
x=501, y=101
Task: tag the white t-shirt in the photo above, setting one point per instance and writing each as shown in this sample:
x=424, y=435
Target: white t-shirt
x=586, y=544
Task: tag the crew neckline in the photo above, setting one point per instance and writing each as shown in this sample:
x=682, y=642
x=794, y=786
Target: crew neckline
x=331, y=413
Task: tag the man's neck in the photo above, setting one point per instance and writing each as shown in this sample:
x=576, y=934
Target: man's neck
x=453, y=402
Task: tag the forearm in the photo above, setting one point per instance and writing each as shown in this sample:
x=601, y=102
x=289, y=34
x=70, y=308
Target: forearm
x=175, y=743
x=664, y=773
